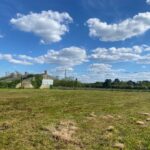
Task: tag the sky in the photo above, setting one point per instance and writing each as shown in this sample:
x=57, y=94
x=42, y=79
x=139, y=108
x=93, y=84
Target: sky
x=92, y=40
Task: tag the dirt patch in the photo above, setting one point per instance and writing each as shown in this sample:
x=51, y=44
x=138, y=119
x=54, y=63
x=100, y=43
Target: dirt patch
x=141, y=123
x=145, y=114
x=119, y=146
x=110, y=129
x=65, y=131
x=148, y=119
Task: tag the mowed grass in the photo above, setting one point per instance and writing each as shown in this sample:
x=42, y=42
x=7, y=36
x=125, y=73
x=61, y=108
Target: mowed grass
x=29, y=119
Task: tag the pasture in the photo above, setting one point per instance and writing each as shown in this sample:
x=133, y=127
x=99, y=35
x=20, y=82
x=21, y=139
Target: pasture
x=74, y=120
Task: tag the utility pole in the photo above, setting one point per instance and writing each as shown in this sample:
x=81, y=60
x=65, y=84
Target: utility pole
x=21, y=82
x=65, y=73
x=76, y=82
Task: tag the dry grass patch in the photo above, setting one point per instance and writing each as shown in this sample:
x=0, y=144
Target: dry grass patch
x=110, y=129
x=7, y=125
x=108, y=117
x=140, y=123
x=145, y=114
x=65, y=131
x=119, y=146
x=148, y=119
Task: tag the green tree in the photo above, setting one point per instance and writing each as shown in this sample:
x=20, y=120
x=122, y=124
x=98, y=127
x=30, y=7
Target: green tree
x=37, y=81
x=107, y=83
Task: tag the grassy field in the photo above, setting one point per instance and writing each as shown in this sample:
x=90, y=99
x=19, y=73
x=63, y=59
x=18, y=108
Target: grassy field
x=74, y=120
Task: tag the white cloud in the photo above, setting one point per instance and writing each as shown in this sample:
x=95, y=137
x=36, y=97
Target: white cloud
x=62, y=69
x=134, y=76
x=100, y=67
x=148, y=2
x=25, y=57
x=63, y=59
x=128, y=28
x=50, y=26
x=101, y=72
x=139, y=54
x=67, y=57
x=11, y=59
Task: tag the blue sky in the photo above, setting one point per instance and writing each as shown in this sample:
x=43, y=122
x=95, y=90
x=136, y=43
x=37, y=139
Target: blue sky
x=91, y=39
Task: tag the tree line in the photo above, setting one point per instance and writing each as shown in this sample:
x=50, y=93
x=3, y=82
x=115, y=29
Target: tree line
x=11, y=84
x=117, y=84
x=107, y=84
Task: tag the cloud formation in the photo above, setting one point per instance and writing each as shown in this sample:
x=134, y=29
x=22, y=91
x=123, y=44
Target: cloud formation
x=100, y=68
x=126, y=29
x=50, y=26
x=134, y=76
x=70, y=56
x=148, y=2
x=101, y=62
x=65, y=58
x=139, y=54
x=10, y=58
x=101, y=72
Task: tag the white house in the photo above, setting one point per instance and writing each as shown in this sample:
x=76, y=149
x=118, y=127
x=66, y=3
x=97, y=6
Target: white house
x=47, y=81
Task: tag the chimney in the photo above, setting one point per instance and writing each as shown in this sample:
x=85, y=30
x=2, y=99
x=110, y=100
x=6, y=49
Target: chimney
x=45, y=72
x=25, y=73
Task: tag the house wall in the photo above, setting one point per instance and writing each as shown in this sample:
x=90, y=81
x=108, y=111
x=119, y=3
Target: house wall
x=26, y=85
x=46, y=83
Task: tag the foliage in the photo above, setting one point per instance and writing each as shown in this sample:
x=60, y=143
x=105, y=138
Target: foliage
x=67, y=83
x=9, y=84
x=37, y=81
x=117, y=84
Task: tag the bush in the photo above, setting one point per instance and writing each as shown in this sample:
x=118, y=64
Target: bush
x=37, y=81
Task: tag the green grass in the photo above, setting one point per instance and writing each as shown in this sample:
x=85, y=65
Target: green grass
x=24, y=114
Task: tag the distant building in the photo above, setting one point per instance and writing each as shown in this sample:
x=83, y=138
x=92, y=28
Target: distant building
x=14, y=75
x=26, y=84
x=47, y=81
